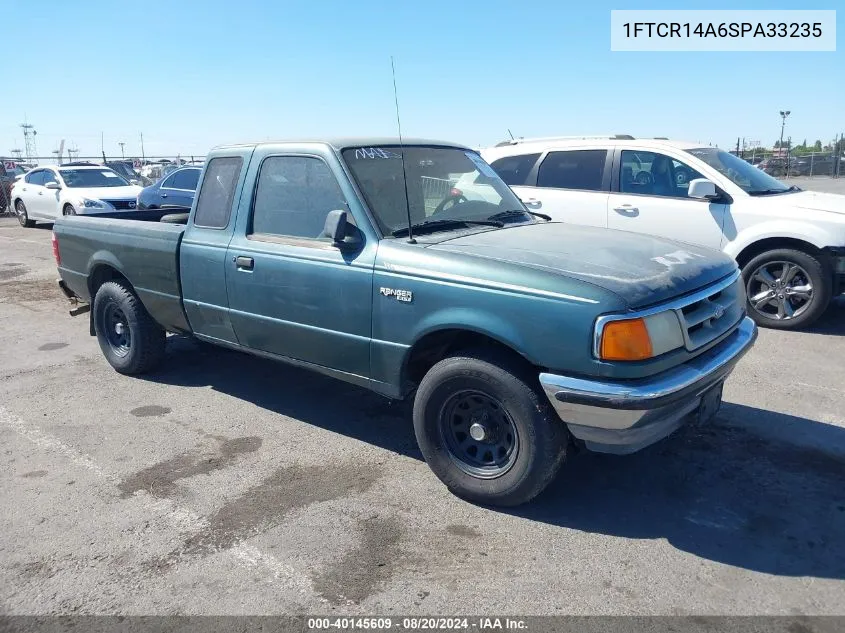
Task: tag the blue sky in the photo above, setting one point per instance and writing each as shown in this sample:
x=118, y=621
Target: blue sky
x=193, y=74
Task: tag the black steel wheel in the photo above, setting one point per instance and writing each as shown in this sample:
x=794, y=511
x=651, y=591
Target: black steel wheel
x=486, y=430
x=479, y=434
x=131, y=341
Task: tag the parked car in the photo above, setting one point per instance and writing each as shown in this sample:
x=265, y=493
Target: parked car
x=125, y=169
x=774, y=166
x=46, y=193
x=511, y=334
x=789, y=243
x=175, y=190
x=9, y=172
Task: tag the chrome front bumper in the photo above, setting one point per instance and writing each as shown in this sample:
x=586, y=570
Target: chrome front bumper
x=623, y=417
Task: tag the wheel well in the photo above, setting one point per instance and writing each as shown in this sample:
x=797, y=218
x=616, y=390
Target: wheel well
x=436, y=346
x=769, y=244
x=100, y=275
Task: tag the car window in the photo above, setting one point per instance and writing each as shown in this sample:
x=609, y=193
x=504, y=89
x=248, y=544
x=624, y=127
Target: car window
x=35, y=177
x=574, y=169
x=218, y=191
x=168, y=183
x=185, y=179
x=514, y=170
x=654, y=174
x=293, y=197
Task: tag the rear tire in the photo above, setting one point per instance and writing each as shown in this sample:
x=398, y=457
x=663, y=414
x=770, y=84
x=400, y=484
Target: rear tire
x=132, y=342
x=23, y=217
x=487, y=390
x=810, y=275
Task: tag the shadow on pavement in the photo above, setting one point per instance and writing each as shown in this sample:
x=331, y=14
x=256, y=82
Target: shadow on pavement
x=718, y=491
x=832, y=321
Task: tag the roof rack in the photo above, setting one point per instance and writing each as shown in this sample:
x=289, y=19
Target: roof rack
x=517, y=141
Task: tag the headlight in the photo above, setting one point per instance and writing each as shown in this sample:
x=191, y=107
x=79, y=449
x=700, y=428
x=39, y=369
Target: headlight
x=640, y=338
x=92, y=204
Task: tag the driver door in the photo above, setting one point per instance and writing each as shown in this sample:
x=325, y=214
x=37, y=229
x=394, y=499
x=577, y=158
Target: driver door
x=291, y=292
x=649, y=195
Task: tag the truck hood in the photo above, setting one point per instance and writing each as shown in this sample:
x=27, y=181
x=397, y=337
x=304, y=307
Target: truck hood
x=104, y=193
x=813, y=200
x=641, y=270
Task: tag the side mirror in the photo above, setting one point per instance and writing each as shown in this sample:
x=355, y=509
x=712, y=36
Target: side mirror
x=702, y=189
x=337, y=228
x=53, y=185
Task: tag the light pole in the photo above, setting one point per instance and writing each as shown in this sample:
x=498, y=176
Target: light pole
x=783, y=115
x=121, y=143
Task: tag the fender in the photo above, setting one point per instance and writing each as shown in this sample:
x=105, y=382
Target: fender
x=793, y=229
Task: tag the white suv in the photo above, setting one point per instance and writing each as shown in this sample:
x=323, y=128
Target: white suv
x=789, y=243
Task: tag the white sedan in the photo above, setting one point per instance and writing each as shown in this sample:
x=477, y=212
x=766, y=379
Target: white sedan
x=45, y=193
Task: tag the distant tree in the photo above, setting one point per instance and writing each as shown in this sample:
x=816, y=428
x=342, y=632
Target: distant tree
x=776, y=144
x=817, y=147
x=804, y=144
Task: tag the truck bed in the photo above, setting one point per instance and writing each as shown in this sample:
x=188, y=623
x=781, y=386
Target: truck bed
x=146, y=253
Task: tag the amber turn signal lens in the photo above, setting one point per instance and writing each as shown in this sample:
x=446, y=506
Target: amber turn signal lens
x=625, y=340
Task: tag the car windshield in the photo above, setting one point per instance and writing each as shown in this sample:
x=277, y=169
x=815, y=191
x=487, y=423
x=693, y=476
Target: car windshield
x=92, y=178
x=442, y=184
x=747, y=177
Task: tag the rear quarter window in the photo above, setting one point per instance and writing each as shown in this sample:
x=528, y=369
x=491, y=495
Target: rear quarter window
x=214, y=206
x=514, y=170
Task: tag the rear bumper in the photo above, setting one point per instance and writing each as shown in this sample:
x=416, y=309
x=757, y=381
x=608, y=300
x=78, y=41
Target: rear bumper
x=624, y=417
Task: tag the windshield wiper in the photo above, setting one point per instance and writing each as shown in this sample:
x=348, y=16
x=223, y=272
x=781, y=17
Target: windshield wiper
x=443, y=225
x=507, y=215
x=769, y=192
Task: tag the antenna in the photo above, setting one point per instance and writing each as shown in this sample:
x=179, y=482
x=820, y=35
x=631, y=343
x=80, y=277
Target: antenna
x=511, y=134
x=402, y=153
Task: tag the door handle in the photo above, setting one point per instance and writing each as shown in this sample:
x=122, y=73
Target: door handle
x=532, y=202
x=164, y=195
x=627, y=209
x=245, y=263
x=40, y=193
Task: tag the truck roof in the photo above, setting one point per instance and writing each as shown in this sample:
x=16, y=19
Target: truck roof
x=341, y=143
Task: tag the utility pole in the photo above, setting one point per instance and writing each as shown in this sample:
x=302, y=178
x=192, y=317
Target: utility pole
x=121, y=143
x=143, y=156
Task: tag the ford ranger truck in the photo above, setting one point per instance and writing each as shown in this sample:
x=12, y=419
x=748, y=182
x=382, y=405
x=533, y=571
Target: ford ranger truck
x=517, y=338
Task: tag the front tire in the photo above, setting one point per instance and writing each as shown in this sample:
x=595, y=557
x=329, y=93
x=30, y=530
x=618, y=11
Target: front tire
x=68, y=210
x=485, y=431
x=787, y=289
x=132, y=342
x=23, y=217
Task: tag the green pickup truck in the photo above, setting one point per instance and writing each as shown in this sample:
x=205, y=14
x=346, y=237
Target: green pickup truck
x=411, y=269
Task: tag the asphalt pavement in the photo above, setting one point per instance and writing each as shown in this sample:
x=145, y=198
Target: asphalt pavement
x=226, y=484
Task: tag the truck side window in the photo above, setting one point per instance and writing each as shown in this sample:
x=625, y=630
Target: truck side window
x=293, y=197
x=218, y=191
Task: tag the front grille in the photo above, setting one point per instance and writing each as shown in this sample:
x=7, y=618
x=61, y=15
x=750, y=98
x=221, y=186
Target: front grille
x=710, y=313
x=122, y=205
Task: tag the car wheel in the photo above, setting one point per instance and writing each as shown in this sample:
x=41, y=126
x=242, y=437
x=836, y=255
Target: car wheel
x=23, y=217
x=787, y=289
x=68, y=210
x=487, y=433
x=132, y=342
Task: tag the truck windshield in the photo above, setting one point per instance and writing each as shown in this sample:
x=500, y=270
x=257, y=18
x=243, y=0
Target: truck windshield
x=442, y=184
x=92, y=178
x=750, y=179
